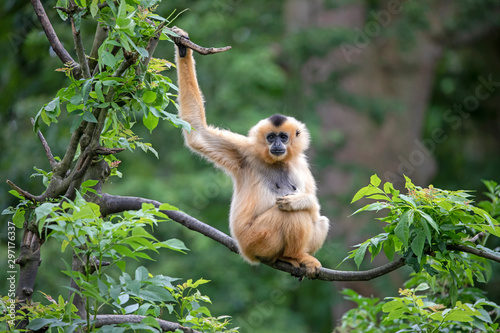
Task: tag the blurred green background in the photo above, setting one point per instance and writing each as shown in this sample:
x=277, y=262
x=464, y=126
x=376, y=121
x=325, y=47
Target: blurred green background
x=386, y=87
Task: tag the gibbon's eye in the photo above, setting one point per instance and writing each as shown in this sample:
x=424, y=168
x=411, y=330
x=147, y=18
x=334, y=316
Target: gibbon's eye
x=271, y=137
x=283, y=137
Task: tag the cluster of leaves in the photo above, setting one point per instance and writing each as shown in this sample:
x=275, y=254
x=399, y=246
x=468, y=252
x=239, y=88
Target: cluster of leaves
x=190, y=313
x=78, y=225
x=445, y=274
x=422, y=226
x=416, y=313
x=141, y=92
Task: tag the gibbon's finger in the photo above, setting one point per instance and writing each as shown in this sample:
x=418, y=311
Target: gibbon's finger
x=178, y=40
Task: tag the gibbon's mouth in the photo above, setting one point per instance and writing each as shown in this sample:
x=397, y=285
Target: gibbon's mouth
x=278, y=152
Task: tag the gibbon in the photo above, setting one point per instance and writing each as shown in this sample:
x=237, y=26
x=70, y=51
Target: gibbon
x=274, y=210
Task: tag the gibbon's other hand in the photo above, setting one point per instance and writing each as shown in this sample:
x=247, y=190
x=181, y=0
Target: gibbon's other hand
x=177, y=40
x=289, y=202
x=285, y=203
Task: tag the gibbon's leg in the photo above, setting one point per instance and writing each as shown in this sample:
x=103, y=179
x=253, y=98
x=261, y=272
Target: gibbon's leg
x=297, y=241
x=297, y=201
x=320, y=231
x=261, y=239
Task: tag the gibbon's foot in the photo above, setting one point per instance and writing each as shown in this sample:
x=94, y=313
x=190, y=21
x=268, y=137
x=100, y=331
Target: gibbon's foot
x=177, y=40
x=297, y=271
x=312, y=266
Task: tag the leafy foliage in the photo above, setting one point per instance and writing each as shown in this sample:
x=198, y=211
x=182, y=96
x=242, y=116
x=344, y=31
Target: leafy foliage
x=444, y=276
x=417, y=313
x=79, y=226
x=423, y=225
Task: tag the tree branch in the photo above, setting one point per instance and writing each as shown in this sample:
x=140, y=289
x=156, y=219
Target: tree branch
x=46, y=147
x=477, y=252
x=53, y=39
x=166, y=326
x=22, y=192
x=112, y=204
x=80, y=50
x=195, y=47
x=101, y=34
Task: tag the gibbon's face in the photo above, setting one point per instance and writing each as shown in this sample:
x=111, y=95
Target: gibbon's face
x=277, y=142
x=279, y=139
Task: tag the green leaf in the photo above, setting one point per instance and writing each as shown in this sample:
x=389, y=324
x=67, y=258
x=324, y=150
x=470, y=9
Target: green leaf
x=94, y=9
x=150, y=121
x=374, y=206
x=53, y=105
x=166, y=206
x=18, y=218
x=402, y=230
x=98, y=91
x=421, y=287
x=174, y=244
x=389, y=249
x=360, y=253
x=375, y=181
x=122, y=10
x=38, y=323
x=89, y=117
x=392, y=305
x=149, y=96
x=361, y=193
x=417, y=246
x=108, y=59
x=86, y=88
x=368, y=191
x=458, y=315
x=389, y=189
x=429, y=219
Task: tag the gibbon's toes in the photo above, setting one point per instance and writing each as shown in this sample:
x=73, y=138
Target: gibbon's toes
x=312, y=267
x=284, y=203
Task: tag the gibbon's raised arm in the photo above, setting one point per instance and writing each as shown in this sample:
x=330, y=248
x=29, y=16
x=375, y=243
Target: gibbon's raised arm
x=222, y=147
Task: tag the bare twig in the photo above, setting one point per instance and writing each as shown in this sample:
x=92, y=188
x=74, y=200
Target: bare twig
x=166, y=326
x=80, y=50
x=480, y=235
x=52, y=37
x=130, y=58
x=22, y=192
x=195, y=47
x=46, y=147
x=65, y=164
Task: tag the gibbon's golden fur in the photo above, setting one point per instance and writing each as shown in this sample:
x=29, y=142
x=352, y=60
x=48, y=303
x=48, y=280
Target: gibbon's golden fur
x=274, y=210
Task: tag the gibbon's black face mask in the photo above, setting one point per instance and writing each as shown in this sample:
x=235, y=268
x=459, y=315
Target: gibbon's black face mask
x=277, y=141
